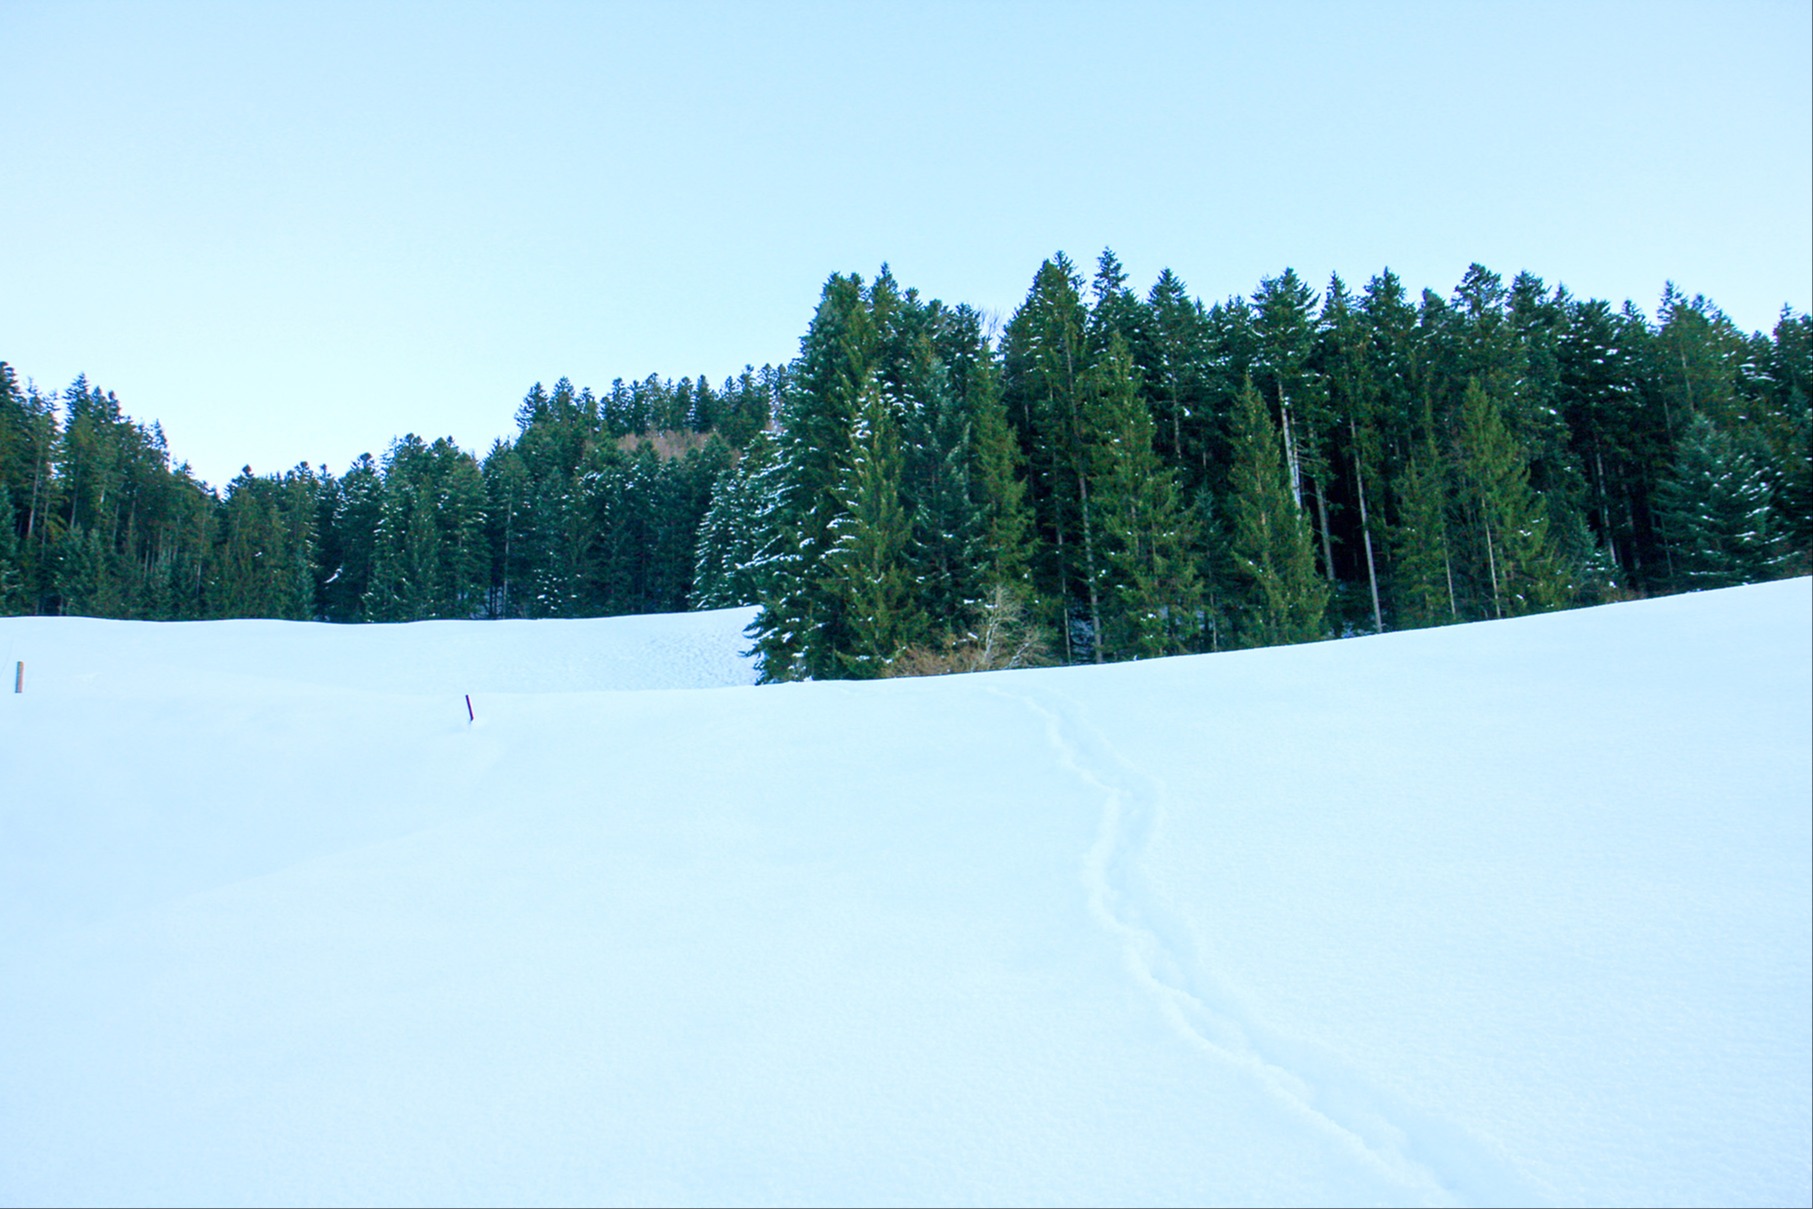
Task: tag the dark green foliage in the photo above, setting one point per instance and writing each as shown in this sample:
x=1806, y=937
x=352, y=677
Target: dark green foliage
x=264, y=554
x=429, y=555
x=1786, y=430
x=873, y=614
x=999, y=486
x=1153, y=596
x=348, y=548
x=1269, y=536
x=731, y=537
x=14, y=599
x=1422, y=588
x=798, y=633
x=1503, y=519
x=1121, y=476
x=1045, y=355
x=1715, y=507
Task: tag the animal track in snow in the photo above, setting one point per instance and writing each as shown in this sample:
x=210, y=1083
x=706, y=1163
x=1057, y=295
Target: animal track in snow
x=1433, y=1160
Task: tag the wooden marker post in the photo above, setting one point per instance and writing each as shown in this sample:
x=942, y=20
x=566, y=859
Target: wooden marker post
x=19, y=677
x=469, y=716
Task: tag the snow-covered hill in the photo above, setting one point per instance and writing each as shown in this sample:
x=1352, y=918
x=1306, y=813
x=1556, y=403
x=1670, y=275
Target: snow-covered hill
x=1518, y=912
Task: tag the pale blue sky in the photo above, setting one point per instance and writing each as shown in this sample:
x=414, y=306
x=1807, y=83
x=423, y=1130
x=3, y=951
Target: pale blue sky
x=294, y=232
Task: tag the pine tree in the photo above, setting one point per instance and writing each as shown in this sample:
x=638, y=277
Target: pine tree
x=1270, y=542
x=1716, y=509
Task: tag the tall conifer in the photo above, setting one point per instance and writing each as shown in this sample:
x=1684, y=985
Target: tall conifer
x=874, y=610
x=1507, y=520
x=1716, y=510
x=1153, y=594
x=1270, y=543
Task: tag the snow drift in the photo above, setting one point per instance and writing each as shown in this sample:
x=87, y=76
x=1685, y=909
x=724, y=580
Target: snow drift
x=1516, y=912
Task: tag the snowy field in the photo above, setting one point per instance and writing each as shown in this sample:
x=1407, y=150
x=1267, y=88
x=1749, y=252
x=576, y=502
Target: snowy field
x=1519, y=912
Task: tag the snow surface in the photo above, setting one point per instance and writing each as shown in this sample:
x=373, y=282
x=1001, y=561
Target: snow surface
x=1519, y=912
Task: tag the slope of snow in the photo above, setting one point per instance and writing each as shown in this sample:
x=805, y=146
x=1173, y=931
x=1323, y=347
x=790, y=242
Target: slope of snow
x=84, y=656
x=1506, y=913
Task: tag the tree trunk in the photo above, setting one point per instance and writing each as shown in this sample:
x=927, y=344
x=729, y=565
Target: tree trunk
x=1328, y=553
x=1290, y=448
x=1372, y=574
x=1492, y=571
x=1448, y=566
x=1095, y=604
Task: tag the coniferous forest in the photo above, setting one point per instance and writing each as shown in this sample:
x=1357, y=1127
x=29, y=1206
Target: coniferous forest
x=1104, y=476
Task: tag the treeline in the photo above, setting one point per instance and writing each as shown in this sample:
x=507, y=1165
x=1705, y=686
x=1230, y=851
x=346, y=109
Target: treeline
x=1106, y=476
x=1125, y=477
x=591, y=510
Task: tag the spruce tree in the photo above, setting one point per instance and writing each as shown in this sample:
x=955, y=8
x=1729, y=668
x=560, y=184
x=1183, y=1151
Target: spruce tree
x=796, y=634
x=947, y=523
x=358, y=506
x=1506, y=519
x=1353, y=410
x=730, y=538
x=874, y=613
x=81, y=573
x=1007, y=523
x=1285, y=374
x=1716, y=510
x=1172, y=356
x=1270, y=543
x=1422, y=581
x=13, y=597
x=1045, y=357
x=1788, y=431
x=1153, y=594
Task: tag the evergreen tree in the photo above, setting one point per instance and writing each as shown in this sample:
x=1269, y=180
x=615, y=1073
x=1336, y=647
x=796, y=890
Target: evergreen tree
x=798, y=632
x=1115, y=312
x=1422, y=583
x=872, y=596
x=1789, y=431
x=1148, y=541
x=1006, y=517
x=945, y=552
x=1716, y=509
x=429, y=555
x=1046, y=356
x=1284, y=372
x=1172, y=356
x=358, y=500
x=730, y=537
x=1506, y=519
x=1353, y=410
x=13, y=597
x=1270, y=542
x=82, y=573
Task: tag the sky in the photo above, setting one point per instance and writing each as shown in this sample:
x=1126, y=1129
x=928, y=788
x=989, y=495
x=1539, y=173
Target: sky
x=293, y=233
